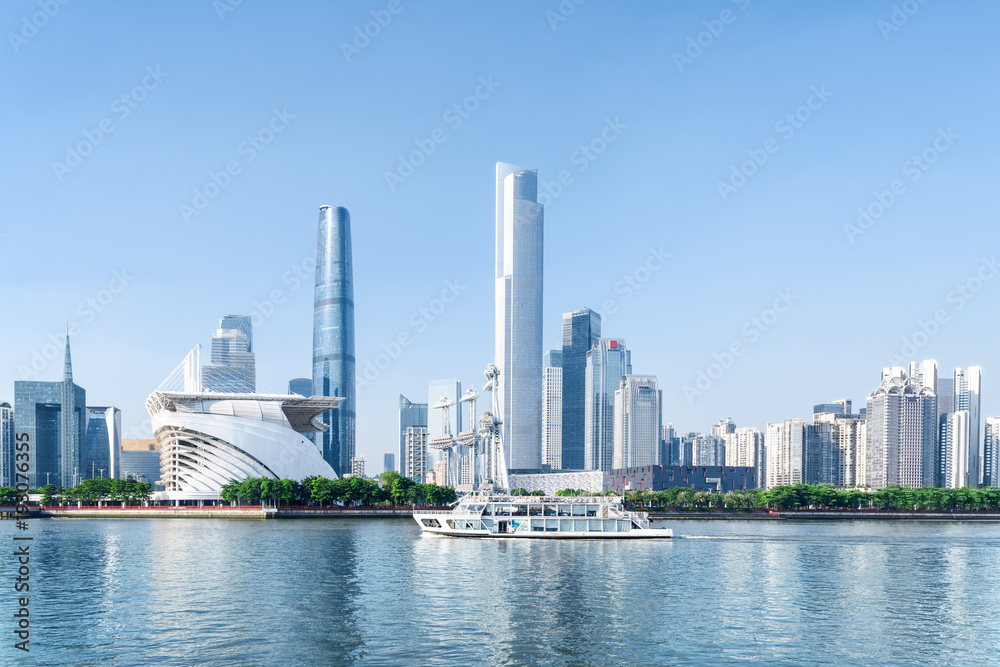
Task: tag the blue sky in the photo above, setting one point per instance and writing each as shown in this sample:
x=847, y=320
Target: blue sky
x=198, y=81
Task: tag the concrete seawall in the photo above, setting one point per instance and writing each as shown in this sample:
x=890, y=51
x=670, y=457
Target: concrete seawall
x=827, y=515
x=243, y=513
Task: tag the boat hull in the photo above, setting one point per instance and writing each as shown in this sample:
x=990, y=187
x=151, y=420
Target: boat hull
x=634, y=534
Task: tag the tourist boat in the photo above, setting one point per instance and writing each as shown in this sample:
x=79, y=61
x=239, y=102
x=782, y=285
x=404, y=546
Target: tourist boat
x=540, y=517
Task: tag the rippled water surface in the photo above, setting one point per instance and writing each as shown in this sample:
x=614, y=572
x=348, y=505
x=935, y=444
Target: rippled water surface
x=377, y=592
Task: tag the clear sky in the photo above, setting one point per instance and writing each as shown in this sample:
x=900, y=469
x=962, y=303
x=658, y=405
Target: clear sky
x=644, y=123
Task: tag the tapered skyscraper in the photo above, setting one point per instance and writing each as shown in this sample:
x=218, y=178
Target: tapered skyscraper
x=333, y=335
x=518, y=352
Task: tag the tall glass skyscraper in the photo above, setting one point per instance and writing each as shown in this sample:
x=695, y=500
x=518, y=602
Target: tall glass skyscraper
x=638, y=419
x=233, y=369
x=607, y=362
x=518, y=299
x=580, y=330
x=53, y=414
x=411, y=415
x=102, y=447
x=333, y=336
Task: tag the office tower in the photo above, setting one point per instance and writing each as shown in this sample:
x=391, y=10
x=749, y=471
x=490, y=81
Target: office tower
x=140, y=460
x=232, y=369
x=724, y=427
x=415, y=442
x=333, y=335
x=103, y=443
x=784, y=445
x=580, y=330
x=818, y=452
x=7, y=477
x=358, y=466
x=705, y=450
x=518, y=355
x=410, y=415
x=669, y=446
x=301, y=386
x=745, y=447
x=450, y=389
x=53, y=415
x=968, y=387
x=991, y=447
x=607, y=362
x=861, y=461
x=901, y=437
x=925, y=373
x=388, y=462
x=552, y=397
x=638, y=418
x=953, y=450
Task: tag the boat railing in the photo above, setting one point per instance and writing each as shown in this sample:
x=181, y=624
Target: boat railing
x=433, y=511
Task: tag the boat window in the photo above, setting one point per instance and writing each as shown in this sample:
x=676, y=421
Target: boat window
x=592, y=510
x=551, y=525
x=594, y=525
x=534, y=510
x=563, y=510
x=487, y=523
x=451, y=524
x=520, y=510
x=580, y=525
x=610, y=525
x=550, y=510
x=538, y=525
x=430, y=523
x=579, y=510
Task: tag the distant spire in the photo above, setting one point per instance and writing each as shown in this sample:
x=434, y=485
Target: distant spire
x=68, y=370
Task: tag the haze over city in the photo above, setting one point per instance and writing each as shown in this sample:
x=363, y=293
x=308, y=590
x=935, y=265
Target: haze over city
x=641, y=141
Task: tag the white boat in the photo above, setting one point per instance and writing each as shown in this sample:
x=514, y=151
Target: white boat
x=540, y=517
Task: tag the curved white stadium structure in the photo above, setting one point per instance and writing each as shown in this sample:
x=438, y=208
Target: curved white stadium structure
x=207, y=439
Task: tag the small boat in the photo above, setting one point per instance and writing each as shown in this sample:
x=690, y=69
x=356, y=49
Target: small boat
x=546, y=517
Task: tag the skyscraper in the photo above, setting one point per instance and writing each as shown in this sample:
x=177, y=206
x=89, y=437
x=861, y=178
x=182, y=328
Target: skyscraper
x=580, y=330
x=301, y=386
x=333, y=336
x=638, y=418
x=53, y=414
x=411, y=415
x=552, y=397
x=968, y=387
x=784, y=445
x=953, y=450
x=103, y=444
x=745, y=447
x=232, y=369
x=389, y=462
x=607, y=362
x=901, y=433
x=518, y=299
x=7, y=477
x=991, y=448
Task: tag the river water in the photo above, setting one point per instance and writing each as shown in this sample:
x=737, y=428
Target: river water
x=377, y=592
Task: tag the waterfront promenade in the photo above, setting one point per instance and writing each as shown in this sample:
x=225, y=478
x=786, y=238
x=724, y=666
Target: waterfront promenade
x=223, y=512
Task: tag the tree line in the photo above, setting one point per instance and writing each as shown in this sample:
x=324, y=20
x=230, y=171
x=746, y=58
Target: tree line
x=821, y=496
x=92, y=491
x=391, y=489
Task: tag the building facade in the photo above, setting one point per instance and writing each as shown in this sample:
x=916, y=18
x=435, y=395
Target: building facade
x=103, y=443
x=580, y=330
x=7, y=449
x=784, y=448
x=411, y=415
x=991, y=448
x=968, y=388
x=901, y=433
x=301, y=386
x=713, y=479
x=232, y=368
x=638, y=422
x=415, y=438
x=388, y=462
x=518, y=299
x=358, y=466
x=552, y=410
x=53, y=415
x=607, y=362
x=333, y=359
x=745, y=449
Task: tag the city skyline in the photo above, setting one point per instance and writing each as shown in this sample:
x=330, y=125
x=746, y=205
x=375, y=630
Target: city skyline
x=685, y=255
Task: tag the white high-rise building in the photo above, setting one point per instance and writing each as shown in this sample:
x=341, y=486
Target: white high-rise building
x=518, y=300
x=6, y=445
x=953, y=450
x=638, y=418
x=416, y=452
x=901, y=433
x=745, y=447
x=784, y=444
x=991, y=447
x=607, y=362
x=552, y=396
x=968, y=387
x=358, y=466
